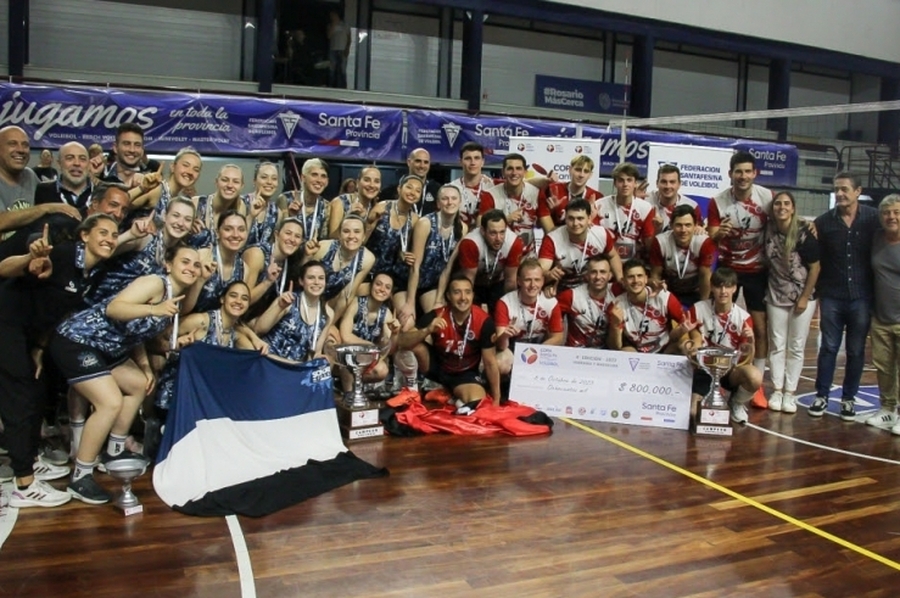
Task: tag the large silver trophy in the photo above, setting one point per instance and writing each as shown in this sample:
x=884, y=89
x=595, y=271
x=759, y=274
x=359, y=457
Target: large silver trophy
x=713, y=416
x=127, y=470
x=357, y=415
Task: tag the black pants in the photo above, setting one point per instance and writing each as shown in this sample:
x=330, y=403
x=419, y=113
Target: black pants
x=21, y=401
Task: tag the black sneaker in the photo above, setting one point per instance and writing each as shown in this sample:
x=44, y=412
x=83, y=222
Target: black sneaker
x=87, y=490
x=105, y=458
x=848, y=413
x=820, y=404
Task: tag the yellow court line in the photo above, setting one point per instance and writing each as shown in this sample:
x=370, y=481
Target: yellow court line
x=736, y=495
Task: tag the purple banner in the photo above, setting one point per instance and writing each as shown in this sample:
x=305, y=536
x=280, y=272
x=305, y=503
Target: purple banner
x=213, y=124
x=443, y=133
x=218, y=124
x=777, y=162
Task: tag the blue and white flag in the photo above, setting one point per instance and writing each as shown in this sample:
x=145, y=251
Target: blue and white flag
x=251, y=435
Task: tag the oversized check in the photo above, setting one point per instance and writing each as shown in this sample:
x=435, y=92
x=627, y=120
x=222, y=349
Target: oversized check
x=608, y=386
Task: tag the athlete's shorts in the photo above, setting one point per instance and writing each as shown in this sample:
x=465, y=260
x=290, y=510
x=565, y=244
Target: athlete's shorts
x=79, y=363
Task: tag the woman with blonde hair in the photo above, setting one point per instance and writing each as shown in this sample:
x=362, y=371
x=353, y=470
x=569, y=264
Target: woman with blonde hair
x=792, y=256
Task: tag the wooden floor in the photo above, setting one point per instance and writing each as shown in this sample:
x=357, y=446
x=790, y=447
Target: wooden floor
x=571, y=514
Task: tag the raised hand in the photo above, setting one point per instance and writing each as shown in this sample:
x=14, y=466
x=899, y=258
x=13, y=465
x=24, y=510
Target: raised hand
x=40, y=267
x=142, y=227
x=273, y=272
x=287, y=298
x=41, y=247
x=616, y=315
x=168, y=308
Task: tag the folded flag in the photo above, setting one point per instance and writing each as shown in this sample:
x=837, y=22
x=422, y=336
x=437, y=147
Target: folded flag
x=251, y=435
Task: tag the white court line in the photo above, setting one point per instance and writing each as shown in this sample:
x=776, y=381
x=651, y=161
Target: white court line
x=8, y=514
x=242, y=555
x=822, y=446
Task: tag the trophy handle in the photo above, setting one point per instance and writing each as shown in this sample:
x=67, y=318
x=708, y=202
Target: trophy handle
x=747, y=359
x=691, y=353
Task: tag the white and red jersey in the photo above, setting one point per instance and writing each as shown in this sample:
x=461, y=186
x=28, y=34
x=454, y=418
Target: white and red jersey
x=535, y=322
x=665, y=212
x=729, y=330
x=527, y=202
x=471, y=198
x=629, y=224
x=681, y=266
x=562, y=195
x=571, y=256
x=647, y=325
x=743, y=249
x=474, y=253
x=586, y=316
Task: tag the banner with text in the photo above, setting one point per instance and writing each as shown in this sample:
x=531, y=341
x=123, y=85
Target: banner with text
x=777, y=162
x=210, y=123
x=608, y=386
x=548, y=154
x=443, y=133
x=581, y=95
x=704, y=170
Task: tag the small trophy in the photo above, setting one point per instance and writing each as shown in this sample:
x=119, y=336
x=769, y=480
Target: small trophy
x=713, y=416
x=357, y=416
x=126, y=470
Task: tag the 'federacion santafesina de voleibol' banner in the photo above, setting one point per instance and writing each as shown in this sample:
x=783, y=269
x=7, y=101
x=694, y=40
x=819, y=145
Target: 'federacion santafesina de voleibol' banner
x=222, y=124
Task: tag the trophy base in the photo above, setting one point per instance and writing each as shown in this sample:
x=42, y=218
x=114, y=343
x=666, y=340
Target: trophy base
x=131, y=510
x=359, y=423
x=712, y=422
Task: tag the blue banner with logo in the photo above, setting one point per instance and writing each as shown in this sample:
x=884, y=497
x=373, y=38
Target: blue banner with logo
x=218, y=124
x=581, y=95
x=777, y=162
x=443, y=133
x=214, y=124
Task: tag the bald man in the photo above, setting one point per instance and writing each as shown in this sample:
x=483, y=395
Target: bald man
x=18, y=183
x=74, y=184
x=418, y=162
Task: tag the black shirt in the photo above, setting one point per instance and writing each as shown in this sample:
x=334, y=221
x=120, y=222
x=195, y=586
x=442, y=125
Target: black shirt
x=845, y=254
x=428, y=203
x=53, y=192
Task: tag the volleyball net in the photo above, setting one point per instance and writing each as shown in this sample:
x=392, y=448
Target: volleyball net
x=828, y=139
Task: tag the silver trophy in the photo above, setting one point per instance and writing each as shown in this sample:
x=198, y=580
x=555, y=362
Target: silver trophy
x=359, y=359
x=713, y=417
x=717, y=362
x=358, y=417
x=127, y=470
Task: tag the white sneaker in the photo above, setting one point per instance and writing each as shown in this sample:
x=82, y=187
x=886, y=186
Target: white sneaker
x=883, y=418
x=896, y=429
x=46, y=471
x=776, y=400
x=789, y=403
x=38, y=494
x=739, y=413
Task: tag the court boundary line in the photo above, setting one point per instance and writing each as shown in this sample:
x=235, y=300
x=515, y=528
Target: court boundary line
x=737, y=496
x=242, y=556
x=823, y=446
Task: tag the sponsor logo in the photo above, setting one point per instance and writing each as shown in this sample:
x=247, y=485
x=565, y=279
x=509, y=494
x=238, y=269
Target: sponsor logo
x=604, y=100
x=633, y=362
x=529, y=356
x=568, y=411
x=626, y=414
x=322, y=374
x=451, y=131
x=614, y=414
x=582, y=411
x=87, y=360
x=289, y=121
